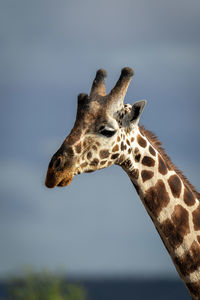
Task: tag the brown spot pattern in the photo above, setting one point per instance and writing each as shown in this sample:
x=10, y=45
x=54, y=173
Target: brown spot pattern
x=89, y=155
x=132, y=139
x=137, y=157
x=135, y=173
x=103, y=162
x=78, y=148
x=136, y=150
x=142, y=142
x=104, y=153
x=196, y=218
x=175, y=185
x=123, y=146
x=121, y=159
x=94, y=162
x=127, y=164
x=190, y=261
x=94, y=148
x=128, y=142
x=176, y=228
x=129, y=151
x=115, y=148
x=114, y=156
x=156, y=198
x=85, y=144
x=188, y=197
x=83, y=165
x=146, y=175
x=70, y=151
x=118, y=139
x=162, y=168
x=148, y=161
x=157, y=145
x=152, y=151
x=198, y=238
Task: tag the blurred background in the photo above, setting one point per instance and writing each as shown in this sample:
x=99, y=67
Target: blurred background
x=49, y=53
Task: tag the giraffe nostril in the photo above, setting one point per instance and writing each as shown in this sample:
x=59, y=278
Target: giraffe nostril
x=57, y=163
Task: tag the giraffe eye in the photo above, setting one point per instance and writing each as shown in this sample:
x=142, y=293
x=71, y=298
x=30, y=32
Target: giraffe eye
x=108, y=132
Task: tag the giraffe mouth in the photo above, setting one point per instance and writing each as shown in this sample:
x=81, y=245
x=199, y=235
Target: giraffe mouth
x=53, y=180
x=65, y=182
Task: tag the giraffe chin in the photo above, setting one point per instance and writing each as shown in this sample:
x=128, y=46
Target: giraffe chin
x=65, y=182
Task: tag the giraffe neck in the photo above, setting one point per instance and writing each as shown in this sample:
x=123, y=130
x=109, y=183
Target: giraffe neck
x=172, y=205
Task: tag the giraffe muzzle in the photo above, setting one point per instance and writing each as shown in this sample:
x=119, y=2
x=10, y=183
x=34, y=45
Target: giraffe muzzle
x=54, y=179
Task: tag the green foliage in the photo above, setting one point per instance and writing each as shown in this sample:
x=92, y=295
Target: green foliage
x=44, y=286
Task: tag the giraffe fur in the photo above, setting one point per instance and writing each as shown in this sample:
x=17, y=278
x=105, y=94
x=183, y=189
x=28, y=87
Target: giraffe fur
x=106, y=132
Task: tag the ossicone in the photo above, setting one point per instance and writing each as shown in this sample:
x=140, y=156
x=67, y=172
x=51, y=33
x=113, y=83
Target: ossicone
x=98, y=86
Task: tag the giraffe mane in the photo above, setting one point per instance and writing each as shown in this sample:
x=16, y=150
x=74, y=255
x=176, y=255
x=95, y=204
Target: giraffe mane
x=153, y=139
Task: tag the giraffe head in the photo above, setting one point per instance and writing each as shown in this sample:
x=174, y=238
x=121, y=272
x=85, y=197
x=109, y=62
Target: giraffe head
x=101, y=133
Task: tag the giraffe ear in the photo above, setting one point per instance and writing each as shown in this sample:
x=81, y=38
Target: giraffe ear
x=136, y=111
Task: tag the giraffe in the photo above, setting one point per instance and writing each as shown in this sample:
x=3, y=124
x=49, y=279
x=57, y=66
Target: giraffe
x=106, y=132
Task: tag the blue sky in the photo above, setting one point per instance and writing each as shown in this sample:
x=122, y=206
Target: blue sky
x=49, y=53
